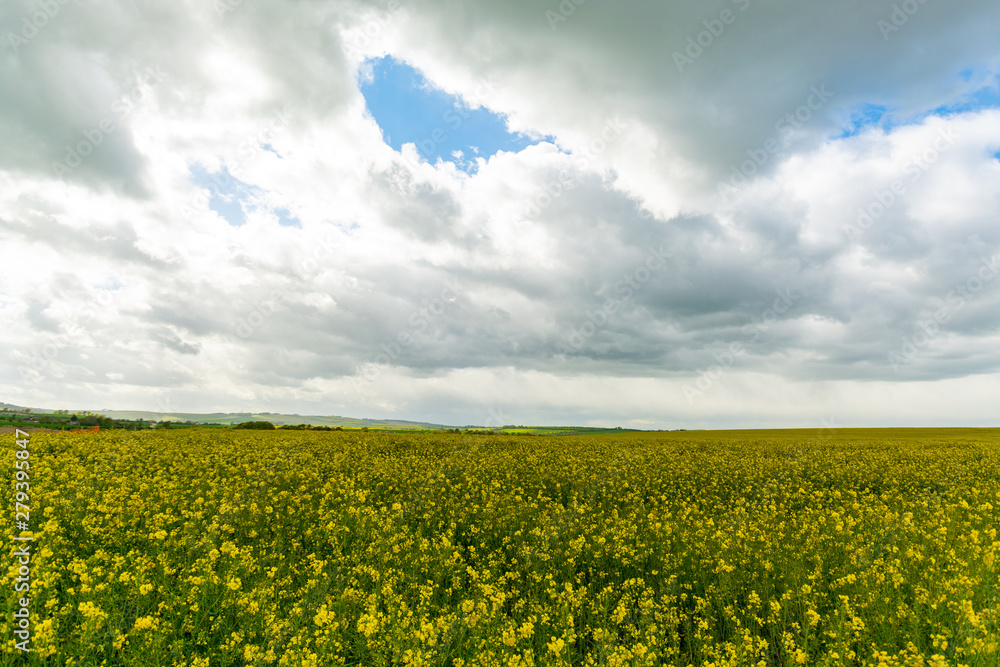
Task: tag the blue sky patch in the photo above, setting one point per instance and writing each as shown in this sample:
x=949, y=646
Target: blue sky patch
x=409, y=109
x=233, y=199
x=286, y=219
x=228, y=193
x=865, y=116
x=986, y=97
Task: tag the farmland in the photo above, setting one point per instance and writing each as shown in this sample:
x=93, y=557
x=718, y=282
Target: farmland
x=213, y=547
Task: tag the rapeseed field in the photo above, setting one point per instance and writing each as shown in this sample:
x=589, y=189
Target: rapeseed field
x=216, y=548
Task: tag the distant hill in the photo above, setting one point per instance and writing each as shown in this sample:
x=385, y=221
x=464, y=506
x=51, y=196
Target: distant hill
x=278, y=419
x=238, y=417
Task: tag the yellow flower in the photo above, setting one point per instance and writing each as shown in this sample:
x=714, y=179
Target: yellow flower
x=323, y=616
x=90, y=610
x=145, y=623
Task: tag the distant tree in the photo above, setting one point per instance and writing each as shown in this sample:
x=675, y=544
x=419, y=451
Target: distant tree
x=257, y=425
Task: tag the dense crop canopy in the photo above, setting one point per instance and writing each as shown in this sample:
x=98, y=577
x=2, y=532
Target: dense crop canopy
x=212, y=547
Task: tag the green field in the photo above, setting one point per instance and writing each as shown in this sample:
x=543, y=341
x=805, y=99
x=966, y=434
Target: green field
x=218, y=547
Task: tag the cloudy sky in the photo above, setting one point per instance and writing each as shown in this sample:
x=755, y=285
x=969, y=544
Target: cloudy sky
x=726, y=214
